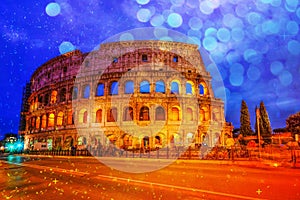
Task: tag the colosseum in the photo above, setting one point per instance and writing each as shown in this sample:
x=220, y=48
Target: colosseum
x=133, y=94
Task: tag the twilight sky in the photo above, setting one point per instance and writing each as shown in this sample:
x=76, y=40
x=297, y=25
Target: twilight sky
x=255, y=44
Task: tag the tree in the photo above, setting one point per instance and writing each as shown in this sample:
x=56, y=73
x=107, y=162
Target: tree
x=293, y=124
x=264, y=123
x=245, y=127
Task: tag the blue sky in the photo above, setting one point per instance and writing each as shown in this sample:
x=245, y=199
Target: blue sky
x=255, y=44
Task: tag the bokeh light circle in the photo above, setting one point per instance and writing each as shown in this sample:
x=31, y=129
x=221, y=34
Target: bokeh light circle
x=223, y=35
x=138, y=165
x=157, y=20
x=285, y=78
x=276, y=67
x=195, y=23
x=65, y=47
x=142, y=2
x=253, y=73
x=210, y=43
x=53, y=9
x=294, y=47
x=143, y=15
x=174, y=20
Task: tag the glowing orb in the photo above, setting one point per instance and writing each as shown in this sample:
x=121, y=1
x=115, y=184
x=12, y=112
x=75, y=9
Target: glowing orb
x=53, y=9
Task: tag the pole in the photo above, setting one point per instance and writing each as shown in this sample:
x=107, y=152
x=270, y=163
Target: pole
x=258, y=131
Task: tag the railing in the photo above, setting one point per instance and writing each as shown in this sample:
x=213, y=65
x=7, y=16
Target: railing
x=206, y=153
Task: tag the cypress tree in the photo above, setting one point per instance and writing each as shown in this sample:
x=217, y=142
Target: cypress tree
x=245, y=124
x=264, y=122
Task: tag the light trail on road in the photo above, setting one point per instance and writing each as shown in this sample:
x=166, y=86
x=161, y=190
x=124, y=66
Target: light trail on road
x=146, y=183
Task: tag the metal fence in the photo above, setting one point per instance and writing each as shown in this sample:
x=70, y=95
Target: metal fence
x=214, y=153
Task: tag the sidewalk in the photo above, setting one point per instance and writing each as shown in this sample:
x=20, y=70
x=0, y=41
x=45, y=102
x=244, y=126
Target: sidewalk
x=259, y=164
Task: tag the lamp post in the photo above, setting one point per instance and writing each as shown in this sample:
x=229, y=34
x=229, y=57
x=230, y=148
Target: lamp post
x=258, y=130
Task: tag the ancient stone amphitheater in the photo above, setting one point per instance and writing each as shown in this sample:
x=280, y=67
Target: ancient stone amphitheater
x=131, y=94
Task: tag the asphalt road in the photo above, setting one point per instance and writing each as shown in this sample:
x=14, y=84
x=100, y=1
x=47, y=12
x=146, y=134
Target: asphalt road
x=67, y=178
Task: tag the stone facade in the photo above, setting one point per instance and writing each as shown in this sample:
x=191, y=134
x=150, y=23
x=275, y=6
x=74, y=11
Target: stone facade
x=134, y=94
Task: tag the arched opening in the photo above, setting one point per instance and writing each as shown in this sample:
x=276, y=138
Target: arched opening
x=59, y=120
x=100, y=89
x=189, y=114
x=144, y=114
x=216, y=115
x=44, y=121
x=75, y=93
x=62, y=95
x=128, y=114
x=145, y=143
x=189, y=138
x=57, y=143
x=68, y=142
x=114, y=88
x=51, y=120
x=158, y=141
x=175, y=115
x=204, y=114
x=217, y=139
x=127, y=141
x=37, y=123
x=112, y=115
x=159, y=113
x=53, y=96
x=86, y=92
x=202, y=88
x=82, y=118
x=145, y=87
x=99, y=116
x=46, y=99
x=81, y=140
x=188, y=88
x=174, y=87
x=160, y=87
x=175, y=140
x=70, y=117
x=129, y=87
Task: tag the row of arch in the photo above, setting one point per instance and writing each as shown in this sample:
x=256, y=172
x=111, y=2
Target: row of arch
x=144, y=87
x=160, y=114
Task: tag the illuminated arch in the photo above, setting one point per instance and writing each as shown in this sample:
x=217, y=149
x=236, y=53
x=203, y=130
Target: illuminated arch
x=145, y=87
x=144, y=114
x=86, y=91
x=128, y=114
x=53, y=97
x=98, y=116
x=129, y=87
x=160, y=87
x=83, y=116
x=44, y=121
x=51, y=120
x=203, y=90
x=175, y=113
x=189, y=114
x=175, y=87
x=100, y=89
x=189, y=87
x=112, y=115
x=37, y=123
x=160, y=113
x=59, y=120
x=204, y=114
x=114, y=88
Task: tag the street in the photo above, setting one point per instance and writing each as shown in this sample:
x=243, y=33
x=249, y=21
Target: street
x=67, y=178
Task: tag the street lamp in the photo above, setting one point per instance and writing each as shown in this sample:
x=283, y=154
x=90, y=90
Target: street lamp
x=258, y=130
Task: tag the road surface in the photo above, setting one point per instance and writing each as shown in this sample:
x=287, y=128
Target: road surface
x=67, y=178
